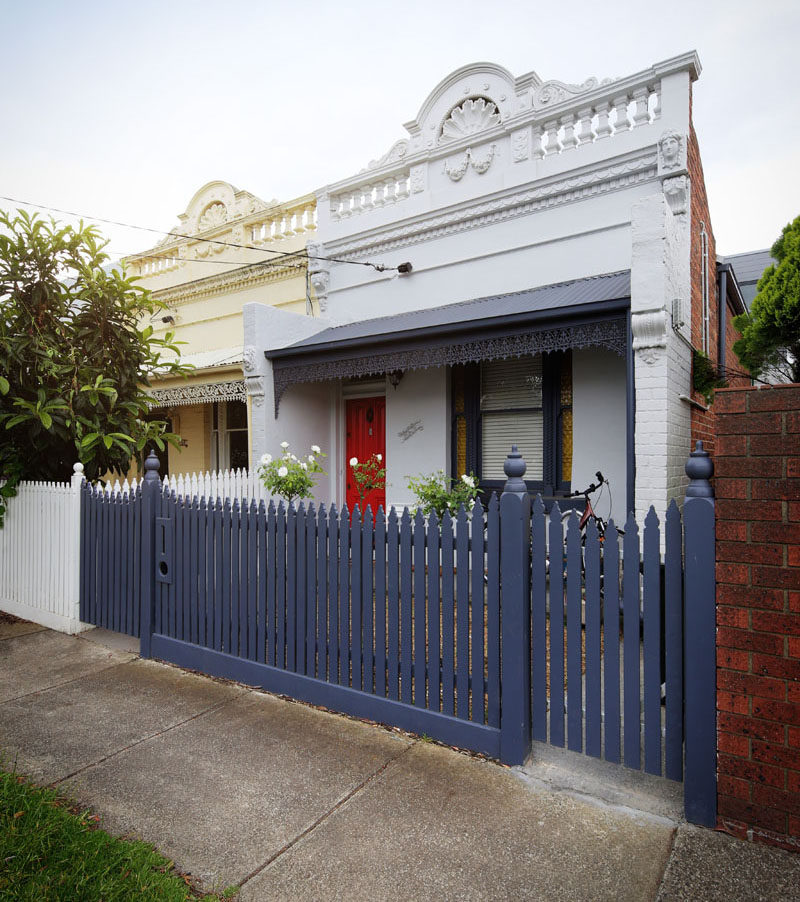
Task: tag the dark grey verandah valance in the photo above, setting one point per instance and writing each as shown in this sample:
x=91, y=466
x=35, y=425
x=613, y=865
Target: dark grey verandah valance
x=543, y=320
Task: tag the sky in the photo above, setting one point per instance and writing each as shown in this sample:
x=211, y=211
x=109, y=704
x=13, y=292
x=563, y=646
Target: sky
x=123, y=111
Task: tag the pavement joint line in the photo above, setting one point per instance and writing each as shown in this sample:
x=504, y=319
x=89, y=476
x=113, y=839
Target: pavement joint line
x=343, y=801
x=83, y=676
x=140, y=741
x=672, y=841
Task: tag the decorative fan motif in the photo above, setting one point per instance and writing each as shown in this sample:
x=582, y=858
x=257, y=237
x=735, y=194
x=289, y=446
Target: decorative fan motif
x=471, y=117
x=214, y=215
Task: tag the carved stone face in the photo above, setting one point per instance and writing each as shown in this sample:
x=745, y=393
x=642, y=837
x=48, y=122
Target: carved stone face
x=670, y=150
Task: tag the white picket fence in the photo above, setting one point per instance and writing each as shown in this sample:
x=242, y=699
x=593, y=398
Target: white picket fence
x=230, y=484
x=40, y=540
x=40, y=554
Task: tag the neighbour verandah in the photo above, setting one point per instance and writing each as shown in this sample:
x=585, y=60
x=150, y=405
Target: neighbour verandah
x=485, y=630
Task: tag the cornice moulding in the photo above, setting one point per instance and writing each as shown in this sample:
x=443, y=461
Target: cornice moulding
x=559, y=190
x=248, y=276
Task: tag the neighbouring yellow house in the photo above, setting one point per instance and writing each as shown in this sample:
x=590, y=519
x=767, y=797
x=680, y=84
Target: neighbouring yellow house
x=228, y=249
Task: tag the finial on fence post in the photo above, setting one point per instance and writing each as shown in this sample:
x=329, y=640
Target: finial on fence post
x=77, y=475
x=699, y=469
x=151, y=466
x=514, y=467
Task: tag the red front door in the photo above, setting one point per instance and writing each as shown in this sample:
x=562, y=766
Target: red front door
x=366, y=435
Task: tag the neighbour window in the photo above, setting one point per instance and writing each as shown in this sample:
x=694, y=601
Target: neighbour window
x=229, y=445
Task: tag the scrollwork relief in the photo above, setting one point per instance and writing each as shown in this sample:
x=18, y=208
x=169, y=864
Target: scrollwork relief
x=676, y=191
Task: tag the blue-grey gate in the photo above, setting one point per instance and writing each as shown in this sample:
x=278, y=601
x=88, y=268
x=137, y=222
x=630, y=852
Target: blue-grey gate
x=396, y=619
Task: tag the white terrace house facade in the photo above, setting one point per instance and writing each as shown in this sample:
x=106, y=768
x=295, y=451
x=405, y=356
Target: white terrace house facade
x=228, y=248
x=549, y=301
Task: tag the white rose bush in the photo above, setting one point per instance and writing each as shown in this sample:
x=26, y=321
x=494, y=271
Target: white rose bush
x=368, y=475
x=438, y=492
x=290, y=477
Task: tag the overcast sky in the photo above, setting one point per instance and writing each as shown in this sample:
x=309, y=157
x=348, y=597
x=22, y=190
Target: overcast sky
x=123, y=111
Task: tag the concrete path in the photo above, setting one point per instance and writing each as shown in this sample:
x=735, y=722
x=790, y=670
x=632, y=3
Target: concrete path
x=241, y=787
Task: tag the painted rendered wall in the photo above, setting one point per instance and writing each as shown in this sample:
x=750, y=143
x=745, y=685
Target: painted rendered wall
x=417, y=431
x=598, y=407
x=189, y=422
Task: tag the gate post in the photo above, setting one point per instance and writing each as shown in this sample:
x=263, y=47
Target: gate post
x=515, y=681
x=151, y=486
x=700, y=652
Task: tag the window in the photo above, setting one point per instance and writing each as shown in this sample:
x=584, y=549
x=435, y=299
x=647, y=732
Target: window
x=526, y=401
x=229, y=444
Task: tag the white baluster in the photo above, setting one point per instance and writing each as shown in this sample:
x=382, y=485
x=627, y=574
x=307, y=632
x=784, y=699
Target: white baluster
x=603, y=129
x=334, y=207
x=641, y=114
x=344, y=209
x=585, y=134
x=402, y=187
x=657, y=103
x=537, y=151
x=298, y=221
x=378, y=200
x=569, y=141
x=366, y=197
x=621, y=123
x=311, y=218
x=391, y=185
x=551, y=138
x=286, y=222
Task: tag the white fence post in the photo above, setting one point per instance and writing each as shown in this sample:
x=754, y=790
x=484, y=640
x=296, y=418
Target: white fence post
x=73, y=575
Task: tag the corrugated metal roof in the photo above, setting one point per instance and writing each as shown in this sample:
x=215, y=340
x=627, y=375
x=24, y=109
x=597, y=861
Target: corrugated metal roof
x=206, y=360
x=749, y=268
x=561, y=296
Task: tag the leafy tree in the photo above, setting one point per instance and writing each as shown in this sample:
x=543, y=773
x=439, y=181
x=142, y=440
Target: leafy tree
x=76, y=352
x=771, y=330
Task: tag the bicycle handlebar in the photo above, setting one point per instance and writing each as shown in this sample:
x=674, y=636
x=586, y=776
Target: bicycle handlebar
x=592, y=488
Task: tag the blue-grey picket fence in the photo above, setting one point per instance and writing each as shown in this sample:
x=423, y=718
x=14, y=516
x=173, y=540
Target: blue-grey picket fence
x=485, y=631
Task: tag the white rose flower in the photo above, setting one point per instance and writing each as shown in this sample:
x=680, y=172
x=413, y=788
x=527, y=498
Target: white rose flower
x=292, y=457
x=303, y=464
x=316, y=449
x=282, y=471
x=266, y=459
x=353, y=461
x=466, y=479
x=284, y=445
x=380, y=457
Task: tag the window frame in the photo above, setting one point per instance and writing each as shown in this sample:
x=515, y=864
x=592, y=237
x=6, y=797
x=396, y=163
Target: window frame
x=552, y=483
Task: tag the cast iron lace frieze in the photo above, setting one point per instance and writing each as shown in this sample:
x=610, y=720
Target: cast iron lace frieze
x=610, y=334
x=205, y=393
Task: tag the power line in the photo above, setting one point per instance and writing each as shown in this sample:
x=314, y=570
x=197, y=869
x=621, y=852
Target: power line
x=378, y=267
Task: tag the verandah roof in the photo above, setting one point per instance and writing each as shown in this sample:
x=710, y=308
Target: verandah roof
x=590, y=312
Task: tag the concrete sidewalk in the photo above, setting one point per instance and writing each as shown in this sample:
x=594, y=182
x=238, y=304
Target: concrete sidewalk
x=241, y=787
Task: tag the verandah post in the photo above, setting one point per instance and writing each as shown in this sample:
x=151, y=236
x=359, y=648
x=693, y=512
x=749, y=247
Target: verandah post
x=515, y=543
x=700, y=776
x=151, y=487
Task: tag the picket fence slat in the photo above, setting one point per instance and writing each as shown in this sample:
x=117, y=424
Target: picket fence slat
x=574, y=676
x=651, y=601
x=477, y=611
x=393, y=605
x=592, y=631
x=673, y=643
x=448, y=617
x=556, y=628
x=462, y=614
x=367, y=603
x=611, y=626
x=405, y=608
x=419, y=610
x=355, y=598
x=631, y=633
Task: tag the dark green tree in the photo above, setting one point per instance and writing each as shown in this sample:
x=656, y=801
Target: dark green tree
x=770, y=339
x=76, y=353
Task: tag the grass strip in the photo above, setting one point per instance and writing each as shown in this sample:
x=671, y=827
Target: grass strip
x=51, y=850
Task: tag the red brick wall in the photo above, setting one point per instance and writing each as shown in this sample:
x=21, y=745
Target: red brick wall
x=757, y=486
x=702, y=422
